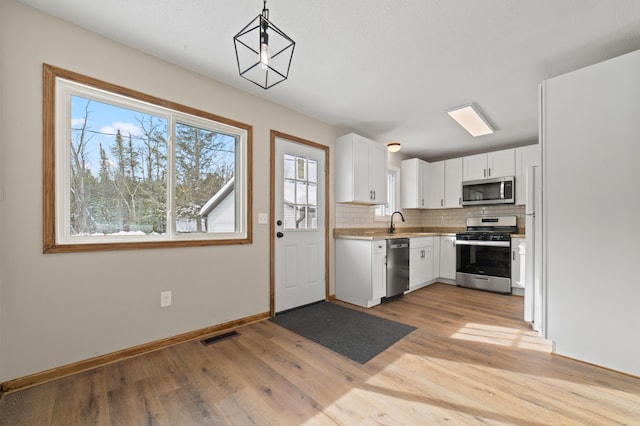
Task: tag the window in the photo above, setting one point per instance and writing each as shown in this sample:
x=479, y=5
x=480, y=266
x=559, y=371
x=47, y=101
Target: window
x=126, y=170
x=300, y=193
x=383, y=211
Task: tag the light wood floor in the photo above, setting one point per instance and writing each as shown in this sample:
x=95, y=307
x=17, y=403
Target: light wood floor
x=471, y=361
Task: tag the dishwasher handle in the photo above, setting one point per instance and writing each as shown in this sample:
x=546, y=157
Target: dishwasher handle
x=398, y=246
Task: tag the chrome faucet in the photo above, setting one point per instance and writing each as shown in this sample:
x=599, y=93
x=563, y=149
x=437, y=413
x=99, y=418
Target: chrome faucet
x=392, y=227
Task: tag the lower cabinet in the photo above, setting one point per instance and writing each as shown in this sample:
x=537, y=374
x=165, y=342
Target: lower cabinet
x=517, y=265
x=361, y=271
x=448, y=257
x=420, y=262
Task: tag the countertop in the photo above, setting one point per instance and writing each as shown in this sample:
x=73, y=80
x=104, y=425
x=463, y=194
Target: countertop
x=373, y=234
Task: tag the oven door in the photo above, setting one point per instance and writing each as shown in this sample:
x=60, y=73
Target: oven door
x=484, y=265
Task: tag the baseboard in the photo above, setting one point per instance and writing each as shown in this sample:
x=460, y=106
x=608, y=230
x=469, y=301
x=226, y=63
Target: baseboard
x=99, y=361
x=593, y=365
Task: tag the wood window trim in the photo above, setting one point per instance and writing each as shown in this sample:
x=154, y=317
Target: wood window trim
x=50, y=245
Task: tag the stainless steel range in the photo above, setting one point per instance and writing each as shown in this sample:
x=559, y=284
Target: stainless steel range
x=483, y=258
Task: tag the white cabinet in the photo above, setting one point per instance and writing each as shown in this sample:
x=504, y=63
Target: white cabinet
x=453, y=183
x=436, y=258
x=448, y=257
x=361, y=271
x=489, y=165
x=414, y=192
x=379, y=271
x=525, y=156
x=361, y=170
x=517, y=263
x=436, y=185
x=420, y=261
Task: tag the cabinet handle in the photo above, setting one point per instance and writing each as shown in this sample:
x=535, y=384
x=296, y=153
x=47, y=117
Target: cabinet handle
x=374, y=194
x=441, y=202
x=489, y=171
x=513, y=255
x=459, y=201
x=484, y=171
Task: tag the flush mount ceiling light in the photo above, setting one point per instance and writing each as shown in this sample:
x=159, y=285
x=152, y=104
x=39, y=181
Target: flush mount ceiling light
x=263, y=52
x=470, y=118
x=394, y=146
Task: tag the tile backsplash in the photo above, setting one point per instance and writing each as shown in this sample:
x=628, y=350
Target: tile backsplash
x=357, y=216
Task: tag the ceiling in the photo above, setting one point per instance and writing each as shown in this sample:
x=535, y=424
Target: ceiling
x=386, y=69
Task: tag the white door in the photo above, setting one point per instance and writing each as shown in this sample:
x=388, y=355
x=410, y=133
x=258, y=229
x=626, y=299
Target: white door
x=299, y=224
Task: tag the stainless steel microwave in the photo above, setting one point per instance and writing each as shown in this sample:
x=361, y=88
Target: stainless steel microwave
x=500, y=190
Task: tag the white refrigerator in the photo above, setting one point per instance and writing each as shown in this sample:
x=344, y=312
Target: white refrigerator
x=533, y=289
x=590, y=143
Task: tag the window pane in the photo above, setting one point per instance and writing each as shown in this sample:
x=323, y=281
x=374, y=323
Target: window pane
x=313, y=194
x=118, y=170
x=205, y=187
x=289, y=166
x=313, y=170
x=289, y=191
x=301, y=169
x=312, y=219
x=301, y=217
x=301, y=193
x=289, y=216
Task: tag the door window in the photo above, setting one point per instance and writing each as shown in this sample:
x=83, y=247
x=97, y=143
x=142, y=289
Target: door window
x=300, y=193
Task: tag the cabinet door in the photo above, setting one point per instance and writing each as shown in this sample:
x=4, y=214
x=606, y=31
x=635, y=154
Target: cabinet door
x=361, y=187
x=453, y=183
x=428, y=272
x=517, y=262
x=448, y=257
x=412, y=184
x=420, y=261
x=525, y=156
x=416, y=266
x=377, y=172
x=474, y=167
x=436, y=185
x=435, y=273
x=501, y=163
x=379, y=270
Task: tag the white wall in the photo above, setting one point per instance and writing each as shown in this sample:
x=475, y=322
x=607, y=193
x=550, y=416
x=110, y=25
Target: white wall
x=591, y=205
x=60, y=308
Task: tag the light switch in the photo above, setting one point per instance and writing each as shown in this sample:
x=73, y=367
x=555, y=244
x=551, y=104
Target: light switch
x=263, y=219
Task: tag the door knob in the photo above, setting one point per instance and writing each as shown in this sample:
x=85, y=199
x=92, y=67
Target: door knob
x=279, y=235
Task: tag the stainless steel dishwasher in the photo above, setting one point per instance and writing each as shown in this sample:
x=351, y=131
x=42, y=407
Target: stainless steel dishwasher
x=397, y=266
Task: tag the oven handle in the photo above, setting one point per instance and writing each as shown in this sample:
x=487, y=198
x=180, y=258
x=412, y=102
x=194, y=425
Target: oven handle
x=483, y=243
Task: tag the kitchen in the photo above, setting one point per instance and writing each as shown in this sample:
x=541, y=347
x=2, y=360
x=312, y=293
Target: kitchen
x=431, y=232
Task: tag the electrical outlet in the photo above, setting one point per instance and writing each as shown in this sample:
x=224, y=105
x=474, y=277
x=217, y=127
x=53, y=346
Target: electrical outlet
x=165, y=299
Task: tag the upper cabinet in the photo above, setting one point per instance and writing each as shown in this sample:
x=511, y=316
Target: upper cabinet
x=361, y=170
x=526, y=156
x=431, y=185
x=414, y=184
x=436, y=185
x=489, y=165
x=453, y=183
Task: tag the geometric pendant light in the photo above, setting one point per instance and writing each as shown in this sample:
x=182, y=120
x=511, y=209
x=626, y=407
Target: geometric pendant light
x=263, y=52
